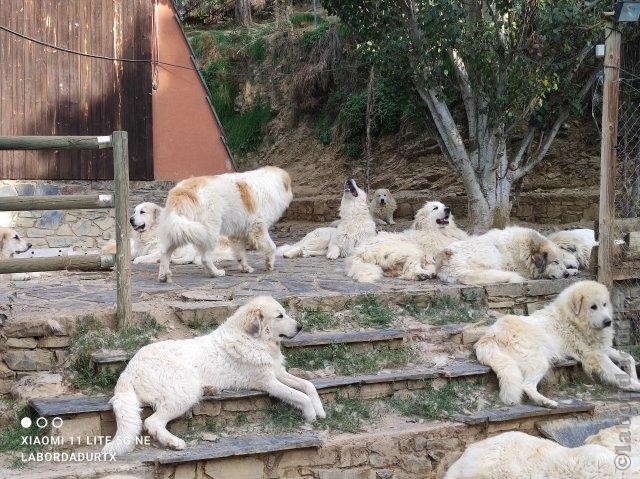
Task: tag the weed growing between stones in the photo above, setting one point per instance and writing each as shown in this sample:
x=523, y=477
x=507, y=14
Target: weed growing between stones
x=90, y=335
x=455, y=396
x=580, y=386
x=346, y=414
x=312, y=320
x=282, y=417
x=345, y=359
x=12, y=433
x=444, y=310
x=370, y=313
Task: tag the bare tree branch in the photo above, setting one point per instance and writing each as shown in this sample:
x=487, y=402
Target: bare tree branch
x=468, y=98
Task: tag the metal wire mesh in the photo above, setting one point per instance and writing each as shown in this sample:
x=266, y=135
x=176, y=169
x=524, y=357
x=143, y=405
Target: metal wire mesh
x=628, y=185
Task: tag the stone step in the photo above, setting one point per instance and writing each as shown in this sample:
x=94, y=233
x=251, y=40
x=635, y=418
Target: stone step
x=572, y=432
x=112, y=358
x=516, y=298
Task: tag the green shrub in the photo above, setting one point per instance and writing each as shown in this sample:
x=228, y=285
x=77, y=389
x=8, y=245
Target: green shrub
x=311, y=37
x=244, y=130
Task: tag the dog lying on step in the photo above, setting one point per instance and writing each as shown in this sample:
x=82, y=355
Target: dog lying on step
x=170, y=376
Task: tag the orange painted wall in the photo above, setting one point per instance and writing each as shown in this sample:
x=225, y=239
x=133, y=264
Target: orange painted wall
x=187, y=140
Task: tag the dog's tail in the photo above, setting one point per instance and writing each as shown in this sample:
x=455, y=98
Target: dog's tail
x=509, y=374
x=281, y=250
x=127, y=409
x=362, y=271
x=177, y=223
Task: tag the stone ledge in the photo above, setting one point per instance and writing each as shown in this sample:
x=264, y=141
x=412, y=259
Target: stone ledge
x=572, y=432
x=229, y=447
x=331, y=337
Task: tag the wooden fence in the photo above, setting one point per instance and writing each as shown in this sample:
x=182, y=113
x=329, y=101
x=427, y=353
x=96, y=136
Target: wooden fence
x=118, y=143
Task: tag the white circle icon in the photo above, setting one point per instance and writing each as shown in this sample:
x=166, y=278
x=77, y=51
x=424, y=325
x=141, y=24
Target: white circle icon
x=42, y=422
x=25, y=422
x=56, y=422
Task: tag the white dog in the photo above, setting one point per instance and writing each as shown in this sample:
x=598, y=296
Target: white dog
x=145, y=244
x=242, y=206
x=502, y=256
x=408, y=255
x=314, y=243
x=516, y=455
x=356, y=224
x=11, y=243
x=578, y=242
x=382, y=206
x=243, y=352
x=577, y=324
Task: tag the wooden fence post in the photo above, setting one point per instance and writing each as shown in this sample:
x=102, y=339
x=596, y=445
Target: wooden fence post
x=608, y=153
x=123, y=248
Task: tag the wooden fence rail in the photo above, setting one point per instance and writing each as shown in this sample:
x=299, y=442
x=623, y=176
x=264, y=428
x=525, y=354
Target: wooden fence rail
x=118, y=142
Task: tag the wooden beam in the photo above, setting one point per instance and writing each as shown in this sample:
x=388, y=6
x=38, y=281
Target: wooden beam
x=123, y=250
x=89, y=262
x=65, y=202
x=54, y=142
x=608, y=154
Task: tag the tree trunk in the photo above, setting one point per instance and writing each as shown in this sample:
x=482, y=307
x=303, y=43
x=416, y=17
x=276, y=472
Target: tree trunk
x=243, y=12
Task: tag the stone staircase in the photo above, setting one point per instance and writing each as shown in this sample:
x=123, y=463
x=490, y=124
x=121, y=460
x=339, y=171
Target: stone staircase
x=390, y=441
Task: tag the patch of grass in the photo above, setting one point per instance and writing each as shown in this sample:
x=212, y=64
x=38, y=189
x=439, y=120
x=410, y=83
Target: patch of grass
x=581, y=385
x=311, y=37
x=633, y=350
x=256, y=49
x=91, y=335
x=348, y=360
x=11, y=437
x=245, y=130
x=299, y=19
x=346, y=414
x=204, y=326
x=313, y=319
x=370, y=313
x=212, y=425
x=282, y=417
x=443, y=310
x=241, y=419
x=431, y=403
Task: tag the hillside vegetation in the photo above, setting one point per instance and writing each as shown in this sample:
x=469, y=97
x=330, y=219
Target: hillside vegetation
x=293, y=93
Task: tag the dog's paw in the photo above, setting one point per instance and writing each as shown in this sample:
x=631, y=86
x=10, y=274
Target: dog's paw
x=177, y=444
x=634, y=386
x=333, y=253
x=549, y=403
x=216, y=273
x=320, y=412
x=246, y=269
x=165, y=278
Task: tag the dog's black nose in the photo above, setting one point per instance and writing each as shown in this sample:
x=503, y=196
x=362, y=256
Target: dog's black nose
x=131, y=220
x=606, y=323
x=298, y=328
x=382, y=201
x=447, y=210
x=566, y=274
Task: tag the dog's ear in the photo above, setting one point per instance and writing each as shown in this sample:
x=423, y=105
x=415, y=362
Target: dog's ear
x=538, y=255
x=156, y=213
x=4, y=237
x=576, y=302
x=254, y=323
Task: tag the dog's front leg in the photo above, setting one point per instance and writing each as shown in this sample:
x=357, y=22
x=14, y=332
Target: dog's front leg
x=291, y=396
x=601, y=365
x=625, y=361
x=147, y=258
x=306, y=387
x=164, y=271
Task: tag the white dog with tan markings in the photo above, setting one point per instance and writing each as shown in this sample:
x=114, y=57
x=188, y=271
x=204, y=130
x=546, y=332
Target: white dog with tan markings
x=408, y=255
x=242, y=206
x=577, y=324
x=510, y=255
x=242, y=353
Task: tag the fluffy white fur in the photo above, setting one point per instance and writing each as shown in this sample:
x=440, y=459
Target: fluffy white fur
x=577, y=324
x=314, y=243
x=502, y=256
x=408, y=255
x=242, y=353
x=356, y=224
x=516, y=455
x=145, y=244
x=12, y=243
x=242, y=206
x=382, y=206
x=578, y=242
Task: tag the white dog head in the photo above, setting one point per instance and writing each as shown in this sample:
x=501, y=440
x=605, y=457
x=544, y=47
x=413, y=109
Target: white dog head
x=11, y=243
x=548, y=259
x=432, y=215
x=263, y=317
x=382, y=197
x=569, y=259
x=353, y=199
x=145, y=216
x=590, y=304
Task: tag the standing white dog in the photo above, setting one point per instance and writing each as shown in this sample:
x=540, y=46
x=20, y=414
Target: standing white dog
x=502, y=256
x=408, y=255
x=356, y=224
x=239, y=205
x=243, y=352
x=577, y=324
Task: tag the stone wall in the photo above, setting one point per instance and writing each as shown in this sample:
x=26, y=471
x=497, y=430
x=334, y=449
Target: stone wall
x=79, y=229
x=537, y=207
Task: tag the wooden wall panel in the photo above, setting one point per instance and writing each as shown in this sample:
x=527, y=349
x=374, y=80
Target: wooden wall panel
x=44, y=91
